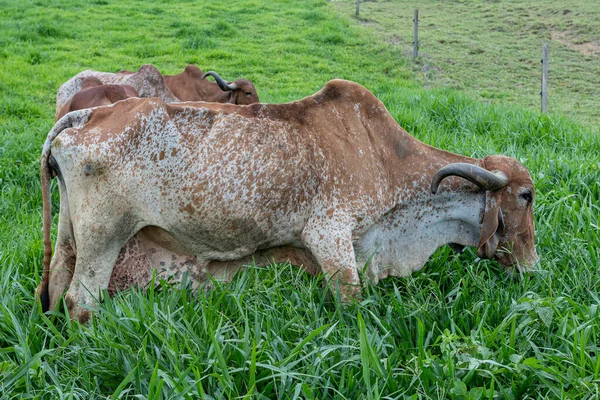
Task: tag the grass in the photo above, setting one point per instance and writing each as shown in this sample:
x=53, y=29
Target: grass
x=492, y=49
x=458, y=329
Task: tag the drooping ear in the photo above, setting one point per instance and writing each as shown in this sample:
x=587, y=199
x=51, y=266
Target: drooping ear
x=491, y=227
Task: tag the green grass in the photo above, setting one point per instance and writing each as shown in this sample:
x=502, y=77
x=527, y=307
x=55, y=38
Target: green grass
x=458, y=329
x=492, y=49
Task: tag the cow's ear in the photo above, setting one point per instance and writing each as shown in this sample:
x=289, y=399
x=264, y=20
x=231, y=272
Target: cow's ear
x=491, y=226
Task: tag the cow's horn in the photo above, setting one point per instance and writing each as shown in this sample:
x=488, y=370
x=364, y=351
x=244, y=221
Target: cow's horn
x=480, y=176
x=222, y=84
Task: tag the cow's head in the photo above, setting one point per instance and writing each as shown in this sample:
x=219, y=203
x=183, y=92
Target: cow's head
x=242, y=90
x=507, y=232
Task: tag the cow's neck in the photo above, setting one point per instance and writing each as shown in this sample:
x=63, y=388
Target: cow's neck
x=404, y=239
x=420, y=222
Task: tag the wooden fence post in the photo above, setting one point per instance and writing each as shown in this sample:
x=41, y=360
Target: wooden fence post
x=416, y=35
x=544, y=92
x=357, y=7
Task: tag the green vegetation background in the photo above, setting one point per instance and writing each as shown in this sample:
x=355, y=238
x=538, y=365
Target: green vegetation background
x=460, y=328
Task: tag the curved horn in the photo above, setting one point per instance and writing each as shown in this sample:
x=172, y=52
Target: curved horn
x=480, y=176
x=222, y=84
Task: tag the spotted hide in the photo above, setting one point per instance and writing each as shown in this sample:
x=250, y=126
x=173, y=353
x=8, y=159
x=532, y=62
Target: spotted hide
x=331, y=181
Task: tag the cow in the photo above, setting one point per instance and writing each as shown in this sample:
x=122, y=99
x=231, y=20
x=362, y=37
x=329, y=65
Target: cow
x=332, y=177
x=147, y=81
x=93, y=94
x=191, y=85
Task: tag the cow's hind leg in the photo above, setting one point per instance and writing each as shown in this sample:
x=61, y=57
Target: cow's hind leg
x=98, y=247
x=61, y=271
x=329, y=238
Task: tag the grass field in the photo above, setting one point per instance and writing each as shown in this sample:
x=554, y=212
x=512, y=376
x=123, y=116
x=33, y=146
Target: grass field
x=492, y=49
x=458, y=329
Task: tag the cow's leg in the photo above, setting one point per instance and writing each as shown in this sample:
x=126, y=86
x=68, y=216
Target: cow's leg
x=61, y=271
x=330, y=241
x=98, y=248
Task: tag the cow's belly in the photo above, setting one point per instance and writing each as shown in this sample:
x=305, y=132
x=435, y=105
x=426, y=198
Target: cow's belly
x=224, y=231
x=153, y=249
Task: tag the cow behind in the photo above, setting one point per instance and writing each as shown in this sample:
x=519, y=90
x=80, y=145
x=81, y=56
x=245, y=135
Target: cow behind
x=332, y=176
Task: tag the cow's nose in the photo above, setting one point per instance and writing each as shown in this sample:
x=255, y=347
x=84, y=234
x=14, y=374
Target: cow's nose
x=532, y=264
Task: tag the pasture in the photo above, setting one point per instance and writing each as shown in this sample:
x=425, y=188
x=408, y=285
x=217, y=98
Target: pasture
x=460, y=328
x=492, y=49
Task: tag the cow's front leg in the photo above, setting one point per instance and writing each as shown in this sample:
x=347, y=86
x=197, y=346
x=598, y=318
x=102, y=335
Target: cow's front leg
x=96, y=258
x=330, y=242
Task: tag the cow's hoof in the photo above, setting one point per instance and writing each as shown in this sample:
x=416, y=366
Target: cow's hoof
x=69, y=302
x=350, y=293
x=76, y=312
x=83, y=316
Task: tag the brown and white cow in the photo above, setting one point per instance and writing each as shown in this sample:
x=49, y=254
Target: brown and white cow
x=93, y=94
x=147, y=81
x=331, y=178
x=190, y=85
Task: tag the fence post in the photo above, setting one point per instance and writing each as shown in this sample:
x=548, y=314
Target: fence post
x=357, y=7
x=544, y=92
x=416, y=35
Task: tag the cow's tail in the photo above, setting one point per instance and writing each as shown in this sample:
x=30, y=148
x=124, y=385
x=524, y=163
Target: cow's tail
x=72, y=119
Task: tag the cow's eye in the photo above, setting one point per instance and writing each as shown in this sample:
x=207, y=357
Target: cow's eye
x=527, y=196
x=248, y=94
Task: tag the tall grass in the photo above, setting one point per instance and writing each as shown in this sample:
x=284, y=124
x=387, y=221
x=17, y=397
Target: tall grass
x=459, y=329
